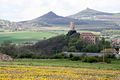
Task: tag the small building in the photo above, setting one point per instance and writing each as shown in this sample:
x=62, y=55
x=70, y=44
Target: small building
x=116, y=46
x=90, y=38
x=116, y=42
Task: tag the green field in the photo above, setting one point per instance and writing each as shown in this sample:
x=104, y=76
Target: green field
x=115, y=65
x=26, y=36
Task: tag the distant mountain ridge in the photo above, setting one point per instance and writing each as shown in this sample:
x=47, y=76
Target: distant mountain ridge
x=51, y=19
x=88, y=19
x=91, y=14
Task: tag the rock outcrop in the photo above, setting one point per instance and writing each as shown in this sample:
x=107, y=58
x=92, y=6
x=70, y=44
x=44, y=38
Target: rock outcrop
x=4, y=57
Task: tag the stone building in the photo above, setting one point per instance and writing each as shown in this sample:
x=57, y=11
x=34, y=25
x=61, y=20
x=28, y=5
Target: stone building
x=86, y=36
x=89, y=37
x=116, y=46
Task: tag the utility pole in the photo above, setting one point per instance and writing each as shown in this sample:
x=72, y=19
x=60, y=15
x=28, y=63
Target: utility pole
x=104, y=53
x=104, y=46
x=104, y=50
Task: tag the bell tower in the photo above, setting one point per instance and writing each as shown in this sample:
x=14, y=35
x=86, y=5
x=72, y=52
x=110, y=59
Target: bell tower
x=72, y=26
x=72, y=29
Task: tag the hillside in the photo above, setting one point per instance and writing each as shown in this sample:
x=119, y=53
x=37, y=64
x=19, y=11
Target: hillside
x=6, y=24
x=91, y=14
x=51, y=19
x=9, y=25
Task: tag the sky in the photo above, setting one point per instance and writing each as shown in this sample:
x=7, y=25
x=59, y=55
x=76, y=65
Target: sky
x=20, y=10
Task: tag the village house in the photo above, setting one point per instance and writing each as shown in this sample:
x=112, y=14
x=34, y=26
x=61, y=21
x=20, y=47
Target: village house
x=89, y=37
x=116, y=42
x=116, y=45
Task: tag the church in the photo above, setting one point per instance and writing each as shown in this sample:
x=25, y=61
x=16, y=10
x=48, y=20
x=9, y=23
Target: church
x=88, y=37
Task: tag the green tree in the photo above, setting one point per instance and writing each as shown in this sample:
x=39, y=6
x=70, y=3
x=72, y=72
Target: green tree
x=91, y=48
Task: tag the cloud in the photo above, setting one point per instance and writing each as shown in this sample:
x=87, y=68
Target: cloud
x=18, y=10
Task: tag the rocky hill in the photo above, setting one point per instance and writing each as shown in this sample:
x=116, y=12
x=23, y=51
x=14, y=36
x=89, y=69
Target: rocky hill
x=91, y=14
x=51, y=19
x=5, y=24
x=8, y=25
x=4, y=57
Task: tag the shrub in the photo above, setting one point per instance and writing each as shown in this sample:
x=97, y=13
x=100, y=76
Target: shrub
x=89, y=59
x=26, y=55
x=58, y=56
x=71, y=55
x=106, y=60
x=112, y=56
x=75, y=58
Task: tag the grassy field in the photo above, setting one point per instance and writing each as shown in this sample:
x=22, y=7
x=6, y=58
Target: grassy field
x=64, y=63
x=58, y=69
x=25, y=36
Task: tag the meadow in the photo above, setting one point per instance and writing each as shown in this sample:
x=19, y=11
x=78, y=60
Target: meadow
x=27, y=36
x=45, y=69
x=114, y=65
x=32, y=36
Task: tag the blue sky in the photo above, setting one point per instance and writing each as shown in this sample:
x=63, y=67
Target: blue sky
x=19, y=10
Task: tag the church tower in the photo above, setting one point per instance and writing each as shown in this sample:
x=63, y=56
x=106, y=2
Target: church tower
x=72, y=29
x=72, y=26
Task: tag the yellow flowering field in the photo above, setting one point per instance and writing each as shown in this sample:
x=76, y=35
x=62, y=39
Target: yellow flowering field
x=56, y=73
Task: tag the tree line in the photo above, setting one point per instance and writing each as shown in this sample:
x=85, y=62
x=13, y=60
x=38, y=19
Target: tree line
x=52, y=46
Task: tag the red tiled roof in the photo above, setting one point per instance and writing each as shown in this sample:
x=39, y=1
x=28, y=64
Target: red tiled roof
x=87, y=34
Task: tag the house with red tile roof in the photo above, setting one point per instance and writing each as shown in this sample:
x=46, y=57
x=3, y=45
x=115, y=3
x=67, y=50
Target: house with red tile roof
x=89, y=37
